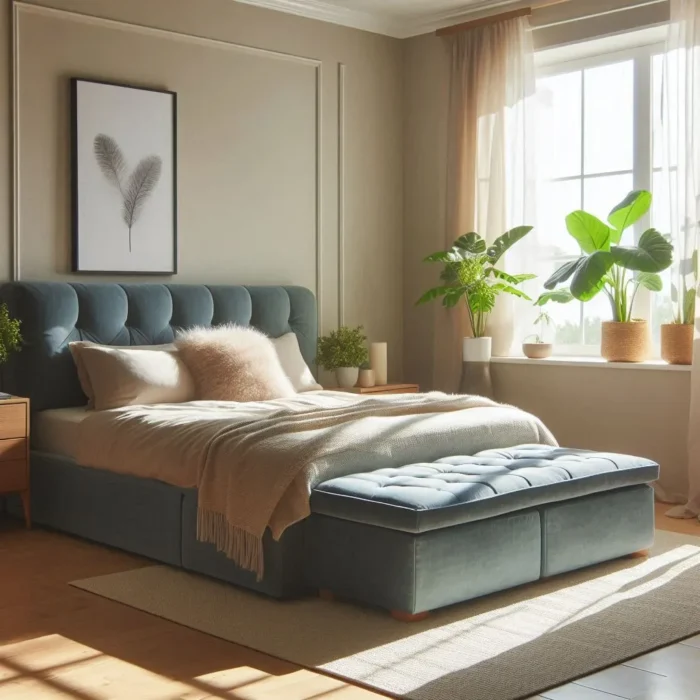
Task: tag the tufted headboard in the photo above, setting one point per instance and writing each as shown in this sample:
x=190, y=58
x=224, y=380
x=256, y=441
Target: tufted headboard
x=56, y=313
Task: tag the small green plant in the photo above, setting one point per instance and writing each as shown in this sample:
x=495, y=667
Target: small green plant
x=10, y=336
x=604, y=264
x=543, y=320
x=684, y=293
x=470, y=274
x=346, y=347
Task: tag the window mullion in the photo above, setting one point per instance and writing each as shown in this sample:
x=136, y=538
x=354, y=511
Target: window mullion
x=642, y=165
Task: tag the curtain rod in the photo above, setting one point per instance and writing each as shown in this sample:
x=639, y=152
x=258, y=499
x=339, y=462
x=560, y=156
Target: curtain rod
x=491, y=19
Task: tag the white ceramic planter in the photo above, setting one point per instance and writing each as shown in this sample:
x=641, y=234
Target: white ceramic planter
x=476, y=349
x=347, y=376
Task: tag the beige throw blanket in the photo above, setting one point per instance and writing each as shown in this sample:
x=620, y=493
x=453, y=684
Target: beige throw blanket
x=254, y=464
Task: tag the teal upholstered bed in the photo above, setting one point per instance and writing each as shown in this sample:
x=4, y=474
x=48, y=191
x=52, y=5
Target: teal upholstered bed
x=140, y=515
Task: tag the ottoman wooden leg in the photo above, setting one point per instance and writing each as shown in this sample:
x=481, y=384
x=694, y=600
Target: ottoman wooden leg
x=641, y=554
x=402, y=616
x=325, y=594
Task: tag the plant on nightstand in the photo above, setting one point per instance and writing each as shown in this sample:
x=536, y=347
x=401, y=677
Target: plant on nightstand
x=10, y=336
x=604, y=266
x=343, y=351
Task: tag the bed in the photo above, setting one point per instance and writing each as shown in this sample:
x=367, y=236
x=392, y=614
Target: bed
x=143, y=516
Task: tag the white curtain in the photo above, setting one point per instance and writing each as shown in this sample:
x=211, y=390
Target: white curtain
x=490, y=177
x=681, y=139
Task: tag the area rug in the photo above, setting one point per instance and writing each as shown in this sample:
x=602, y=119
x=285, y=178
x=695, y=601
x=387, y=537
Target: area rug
x=502, y=647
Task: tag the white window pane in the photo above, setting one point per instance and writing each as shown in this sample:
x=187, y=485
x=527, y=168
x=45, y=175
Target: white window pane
x=609, y=117
x=566, y=321
x=662, y=191
x=656, y=83
x=601, y=194
x=554, y=202
x=559, y=125
x=665, y=86
x=595, y=312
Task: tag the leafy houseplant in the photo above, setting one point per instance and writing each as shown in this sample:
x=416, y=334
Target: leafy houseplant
x=10, y=336
x=470, y=274
x=343, y=351
x=677, y=337
x=616, y=270
x=538, y=349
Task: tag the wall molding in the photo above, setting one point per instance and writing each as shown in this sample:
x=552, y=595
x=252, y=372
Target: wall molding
x=22, y=9
x=341, y=194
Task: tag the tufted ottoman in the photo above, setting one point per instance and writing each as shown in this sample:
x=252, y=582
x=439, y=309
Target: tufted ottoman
x=419, y=537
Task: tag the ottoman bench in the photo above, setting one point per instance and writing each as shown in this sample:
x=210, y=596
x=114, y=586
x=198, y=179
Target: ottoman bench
x=423, y=536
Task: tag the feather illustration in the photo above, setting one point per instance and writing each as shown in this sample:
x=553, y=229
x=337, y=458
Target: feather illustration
x=134, y=190
x=110, y=159
x=139, y=188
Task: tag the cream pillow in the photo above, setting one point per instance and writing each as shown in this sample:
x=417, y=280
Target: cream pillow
x=287, y=347
x=128, y=376
x=76, y=350
x=233, y=363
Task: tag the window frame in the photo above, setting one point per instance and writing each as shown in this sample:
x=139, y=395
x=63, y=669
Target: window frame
x=642, y=172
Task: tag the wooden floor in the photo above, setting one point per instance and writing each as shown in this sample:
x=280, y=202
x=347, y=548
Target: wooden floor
x=59, y=642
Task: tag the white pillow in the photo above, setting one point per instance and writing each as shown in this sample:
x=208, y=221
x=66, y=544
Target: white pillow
x=129, y=376
x=292, y=361
x=76, y=349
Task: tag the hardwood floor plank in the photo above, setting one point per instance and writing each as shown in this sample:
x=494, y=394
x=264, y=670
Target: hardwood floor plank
x=572, y=691
x=623, y=681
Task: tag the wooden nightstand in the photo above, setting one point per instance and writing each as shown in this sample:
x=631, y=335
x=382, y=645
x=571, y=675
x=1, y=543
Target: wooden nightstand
x=383, y=389
x=14, y=451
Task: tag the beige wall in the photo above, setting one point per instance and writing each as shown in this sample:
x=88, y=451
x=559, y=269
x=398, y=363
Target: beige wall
x=638, y=411
x=251, y=179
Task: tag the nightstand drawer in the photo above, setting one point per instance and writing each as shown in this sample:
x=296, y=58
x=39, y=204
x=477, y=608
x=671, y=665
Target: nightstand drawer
x=14, y=476
x=13, y=420
x=14, y=448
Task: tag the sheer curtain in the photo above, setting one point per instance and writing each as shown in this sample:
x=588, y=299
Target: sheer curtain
x=681, y=138
x=490, y=157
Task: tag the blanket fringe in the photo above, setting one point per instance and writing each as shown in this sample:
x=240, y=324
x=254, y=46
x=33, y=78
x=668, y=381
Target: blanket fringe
x=243, y=548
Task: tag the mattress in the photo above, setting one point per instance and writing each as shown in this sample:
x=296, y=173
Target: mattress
x=57, y=430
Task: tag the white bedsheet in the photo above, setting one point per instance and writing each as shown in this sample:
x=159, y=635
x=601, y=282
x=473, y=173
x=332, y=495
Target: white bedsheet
x=57, y=430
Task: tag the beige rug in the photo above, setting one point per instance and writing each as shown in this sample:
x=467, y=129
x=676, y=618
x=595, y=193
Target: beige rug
x=502, y=647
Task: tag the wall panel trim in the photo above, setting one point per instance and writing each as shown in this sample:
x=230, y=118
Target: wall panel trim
x=21, y=8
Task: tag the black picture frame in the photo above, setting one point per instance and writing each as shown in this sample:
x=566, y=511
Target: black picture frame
x=75, y=189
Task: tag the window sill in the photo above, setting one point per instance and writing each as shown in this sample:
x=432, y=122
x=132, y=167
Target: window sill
x=598, y=362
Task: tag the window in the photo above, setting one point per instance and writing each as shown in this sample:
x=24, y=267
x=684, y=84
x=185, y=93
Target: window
x=594, y=144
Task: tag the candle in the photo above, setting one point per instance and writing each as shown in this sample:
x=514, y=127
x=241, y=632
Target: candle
x=377, y=360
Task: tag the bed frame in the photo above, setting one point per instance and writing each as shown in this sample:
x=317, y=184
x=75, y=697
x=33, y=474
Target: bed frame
x=142, y=516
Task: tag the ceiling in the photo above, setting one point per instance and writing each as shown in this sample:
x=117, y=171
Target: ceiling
x=398, y=18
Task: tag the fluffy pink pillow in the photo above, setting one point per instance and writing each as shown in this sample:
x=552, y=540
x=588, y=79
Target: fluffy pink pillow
x=233, y=363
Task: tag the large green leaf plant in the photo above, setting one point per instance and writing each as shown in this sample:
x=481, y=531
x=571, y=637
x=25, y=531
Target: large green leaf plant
x=470, y=274
x=606, y=266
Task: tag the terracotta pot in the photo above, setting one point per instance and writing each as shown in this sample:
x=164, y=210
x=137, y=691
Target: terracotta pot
x=537, y=351
x=347, y=376
x=625, y=342
x=677, y=343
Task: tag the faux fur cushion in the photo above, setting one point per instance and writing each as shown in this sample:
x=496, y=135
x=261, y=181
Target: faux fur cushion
x=287, y=347
x=233, y=363
x=129, y=376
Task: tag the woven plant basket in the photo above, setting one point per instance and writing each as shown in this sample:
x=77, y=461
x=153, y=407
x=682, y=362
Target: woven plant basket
x=625, y=342
x=677, y=343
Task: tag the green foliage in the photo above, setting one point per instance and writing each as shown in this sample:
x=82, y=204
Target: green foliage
x=346, y=347
x=543, y=320
x=10, y=336
x=604, y=265
x=469, y=274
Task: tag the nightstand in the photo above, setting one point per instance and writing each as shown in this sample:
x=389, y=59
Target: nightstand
x=383, y=389
x=14, y=451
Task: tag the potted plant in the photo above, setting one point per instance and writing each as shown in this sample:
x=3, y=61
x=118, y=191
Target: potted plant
x=618, y=271
x=343, y=351
x=366, y=380
x=10, y=336
x=677, y=337
x=470, y=274
x=538, y=349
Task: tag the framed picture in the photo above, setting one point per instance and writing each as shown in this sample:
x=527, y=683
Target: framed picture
x=124, y=179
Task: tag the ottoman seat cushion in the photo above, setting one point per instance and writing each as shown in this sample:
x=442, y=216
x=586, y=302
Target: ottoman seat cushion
x=456, y=490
